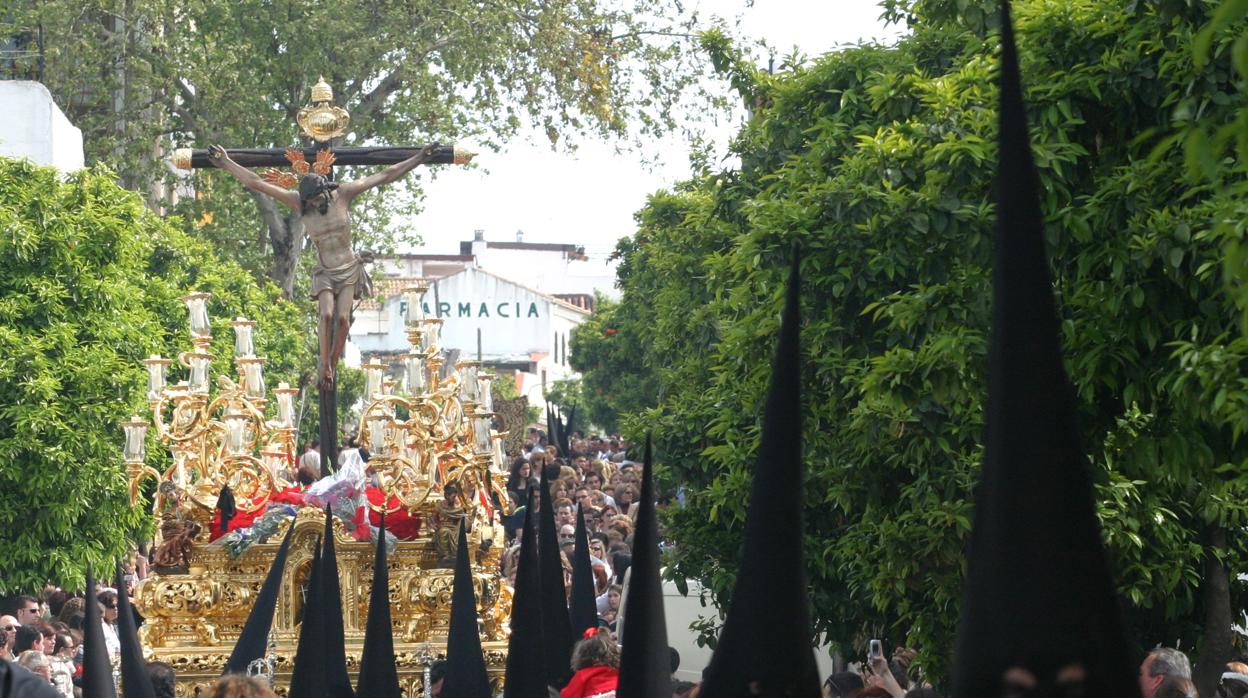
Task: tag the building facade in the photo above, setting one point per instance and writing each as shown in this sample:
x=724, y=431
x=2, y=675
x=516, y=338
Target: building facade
x=514, y=329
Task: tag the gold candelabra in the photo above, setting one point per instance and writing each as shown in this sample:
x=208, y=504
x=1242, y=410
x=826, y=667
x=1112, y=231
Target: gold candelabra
x=226, y=439
x=431, y=431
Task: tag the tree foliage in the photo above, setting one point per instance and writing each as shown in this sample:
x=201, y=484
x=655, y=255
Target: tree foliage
x=880, y=161
x=140, y=78
x=92, y=284
x=616, y=380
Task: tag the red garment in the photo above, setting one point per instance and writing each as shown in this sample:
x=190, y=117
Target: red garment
x=290, y=495
x=239, y=520
x=403, y=525
x=592, y=681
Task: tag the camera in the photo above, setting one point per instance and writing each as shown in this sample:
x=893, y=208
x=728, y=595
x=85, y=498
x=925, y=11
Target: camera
x=876, y=650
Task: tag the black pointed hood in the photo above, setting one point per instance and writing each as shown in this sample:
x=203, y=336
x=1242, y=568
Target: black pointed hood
x=97, y=672
x=134, y=679
x=766, y=638
x=645, y=664
x=583, y=609
x=556, y=628
x=307, y=679
x=337, y=680
x=253, y=641
x=1038, y=593
x=379, y=676
x=526, y=673
x=466, y=676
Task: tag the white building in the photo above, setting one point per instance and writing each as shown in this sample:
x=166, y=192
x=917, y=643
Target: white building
x=36, y=128
x=515, y=329
x=561, y=270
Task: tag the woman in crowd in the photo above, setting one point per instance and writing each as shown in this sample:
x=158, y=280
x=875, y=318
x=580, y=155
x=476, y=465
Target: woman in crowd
x=108, y=619
x=519, y=482
x=62, y=664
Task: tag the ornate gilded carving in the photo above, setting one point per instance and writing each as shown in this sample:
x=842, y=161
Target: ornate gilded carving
x=193, y=618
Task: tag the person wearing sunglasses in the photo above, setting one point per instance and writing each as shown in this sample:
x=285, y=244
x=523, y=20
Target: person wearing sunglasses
x=8, y=634
x=108, y=618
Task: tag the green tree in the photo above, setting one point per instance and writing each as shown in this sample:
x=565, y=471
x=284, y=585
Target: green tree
x=140, y=78
x=616, y=380
x=92, y=284
x=880, y=160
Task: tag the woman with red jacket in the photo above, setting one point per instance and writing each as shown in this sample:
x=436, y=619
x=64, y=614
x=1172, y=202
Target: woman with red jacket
x=596, y=661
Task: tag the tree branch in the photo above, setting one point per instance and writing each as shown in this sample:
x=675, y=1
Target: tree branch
x=372, y=102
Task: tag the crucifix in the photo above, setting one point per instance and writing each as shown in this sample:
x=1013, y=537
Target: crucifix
x=339, y=277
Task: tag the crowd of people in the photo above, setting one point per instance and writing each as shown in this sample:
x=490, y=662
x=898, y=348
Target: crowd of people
x=1164, y=673
x=44, y=635
x=595, y=479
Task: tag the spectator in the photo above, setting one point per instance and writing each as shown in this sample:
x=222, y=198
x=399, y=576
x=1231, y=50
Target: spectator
x=48, y=636
x=62, y=660
x=311, y=458
x=625, y=495
x=238, y=686
x=582, y=498
x=28, y=638
x=842, y=684
x=69, y=608
x=437, y=673
x=1175, y=686
x=609, y=603
x=26, y=610
x=8, y=635
x=1159, y=664
x=519, y=482
x=36, y=662
x=593, y=481
x=924, y=692
x=108, y=619
x=56, y=601
x=565, y=515
x=1234, y=681
x=162, y=677
x=596, y=663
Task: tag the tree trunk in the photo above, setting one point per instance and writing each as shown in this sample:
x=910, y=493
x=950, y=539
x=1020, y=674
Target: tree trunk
x=286, y=237
x=1215, y=647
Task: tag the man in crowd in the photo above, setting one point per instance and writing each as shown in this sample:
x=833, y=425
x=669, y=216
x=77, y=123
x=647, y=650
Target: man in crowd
x=1160, y=664
x=25, y=609
x=565, y=515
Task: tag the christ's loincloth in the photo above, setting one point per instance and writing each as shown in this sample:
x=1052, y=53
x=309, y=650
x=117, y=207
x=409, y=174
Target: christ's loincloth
x=338, y=278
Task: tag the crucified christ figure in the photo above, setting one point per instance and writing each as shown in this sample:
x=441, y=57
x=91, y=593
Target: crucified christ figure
x=339, y=277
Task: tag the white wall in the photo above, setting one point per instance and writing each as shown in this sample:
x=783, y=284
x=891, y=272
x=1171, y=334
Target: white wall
x=36, y=128
x=681, y=611
x=548, y=271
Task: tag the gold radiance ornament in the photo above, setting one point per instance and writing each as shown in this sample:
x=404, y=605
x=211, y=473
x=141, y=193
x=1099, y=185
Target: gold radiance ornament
x=323, y=121
x=299, y=164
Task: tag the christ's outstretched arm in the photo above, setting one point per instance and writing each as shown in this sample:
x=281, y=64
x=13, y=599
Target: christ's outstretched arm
x=350, y=190
x=251, y=180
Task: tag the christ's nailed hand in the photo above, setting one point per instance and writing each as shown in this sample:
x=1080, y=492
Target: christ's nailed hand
x=217, y=155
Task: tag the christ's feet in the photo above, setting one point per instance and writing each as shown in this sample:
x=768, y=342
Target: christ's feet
x=326, y=381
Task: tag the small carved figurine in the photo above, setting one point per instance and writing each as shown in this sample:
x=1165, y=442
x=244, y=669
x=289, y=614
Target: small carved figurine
x=177, y=532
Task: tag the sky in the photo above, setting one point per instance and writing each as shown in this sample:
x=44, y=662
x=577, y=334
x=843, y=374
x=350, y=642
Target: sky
x=588, y=197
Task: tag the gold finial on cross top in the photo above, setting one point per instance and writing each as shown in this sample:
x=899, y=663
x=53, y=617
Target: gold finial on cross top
x=322, y=120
